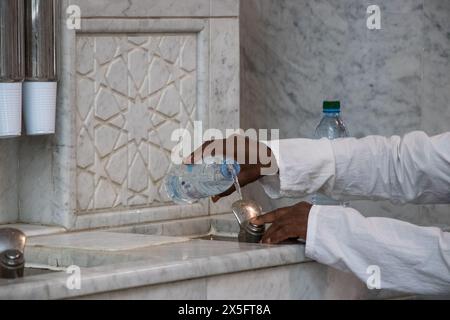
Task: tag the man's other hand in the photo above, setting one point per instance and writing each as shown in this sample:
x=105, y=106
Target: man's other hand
x=287, y=223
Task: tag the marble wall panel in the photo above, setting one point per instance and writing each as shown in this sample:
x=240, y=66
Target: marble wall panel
x=132, y=93
x=9, y=210
x=296, y=54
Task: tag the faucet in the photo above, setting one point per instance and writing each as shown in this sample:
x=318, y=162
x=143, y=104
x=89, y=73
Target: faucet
x=12, y=246
x=245, y=211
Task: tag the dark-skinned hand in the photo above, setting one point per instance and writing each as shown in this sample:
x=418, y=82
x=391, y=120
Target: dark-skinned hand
x=251, y=155
x=287, y=223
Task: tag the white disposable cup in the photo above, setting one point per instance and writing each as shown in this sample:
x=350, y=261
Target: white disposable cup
x=39, y=107
x=10, y=109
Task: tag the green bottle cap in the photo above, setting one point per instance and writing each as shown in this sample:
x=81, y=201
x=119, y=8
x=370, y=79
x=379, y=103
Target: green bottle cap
x=331, y=106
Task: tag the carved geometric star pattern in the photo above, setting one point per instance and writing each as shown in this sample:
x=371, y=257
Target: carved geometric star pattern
x=132, y=92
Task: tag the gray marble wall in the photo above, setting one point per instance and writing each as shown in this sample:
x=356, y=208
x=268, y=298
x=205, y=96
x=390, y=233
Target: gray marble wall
x=8, y=181
x=297, y=53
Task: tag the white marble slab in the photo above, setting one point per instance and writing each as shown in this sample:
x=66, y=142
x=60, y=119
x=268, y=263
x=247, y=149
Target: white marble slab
x=307, y=281
x=224, y=8
x=37, y=198
x=152, y=266
x=177, y=228
x=102, y=241
x=436, y=67
x=201, y=269
x=158, y=8
x=130, y=217
x=34, y=230
x=9, y=211
x=144, y=8
x=181, y=290
x=224, y=90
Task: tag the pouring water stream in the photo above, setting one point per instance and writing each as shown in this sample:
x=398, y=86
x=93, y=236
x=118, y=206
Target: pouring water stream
x=244, y=210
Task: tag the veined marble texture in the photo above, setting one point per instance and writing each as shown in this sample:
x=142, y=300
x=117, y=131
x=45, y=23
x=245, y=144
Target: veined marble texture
x=9, y=211
x=137, y=268
x=159, y=8
x=304, y=52
x=135, y=71
x=297, y=53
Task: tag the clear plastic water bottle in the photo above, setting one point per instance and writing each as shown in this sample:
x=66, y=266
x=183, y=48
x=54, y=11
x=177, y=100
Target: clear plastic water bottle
x=332, y=127
x=190, y=183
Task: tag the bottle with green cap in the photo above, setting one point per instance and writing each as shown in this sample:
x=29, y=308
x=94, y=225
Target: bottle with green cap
x=332, y=127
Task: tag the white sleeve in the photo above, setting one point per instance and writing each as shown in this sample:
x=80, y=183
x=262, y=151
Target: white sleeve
x=305, y=166
x=409, y=258
x=415, y=168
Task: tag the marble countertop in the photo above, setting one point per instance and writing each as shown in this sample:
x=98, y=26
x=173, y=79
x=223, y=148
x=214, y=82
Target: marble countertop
x=141, y=261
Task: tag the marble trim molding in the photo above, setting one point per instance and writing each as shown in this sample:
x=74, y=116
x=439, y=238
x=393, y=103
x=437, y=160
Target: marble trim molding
x=158, y=8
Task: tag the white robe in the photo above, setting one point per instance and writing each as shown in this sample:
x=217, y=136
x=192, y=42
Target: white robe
x=412, y=169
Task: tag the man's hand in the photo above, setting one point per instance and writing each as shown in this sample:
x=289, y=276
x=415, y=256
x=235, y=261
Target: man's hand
x=251, y=155
x=287, y=223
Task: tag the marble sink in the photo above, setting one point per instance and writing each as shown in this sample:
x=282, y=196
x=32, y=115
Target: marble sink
x=170, y=260
x=220, y=225
x=127, y=244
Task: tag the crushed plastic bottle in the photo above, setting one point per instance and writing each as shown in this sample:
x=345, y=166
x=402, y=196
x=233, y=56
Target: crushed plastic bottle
x=186, y=184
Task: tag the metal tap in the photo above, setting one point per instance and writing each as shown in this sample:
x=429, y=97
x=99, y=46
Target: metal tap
x=245, y=211
x=12, y=246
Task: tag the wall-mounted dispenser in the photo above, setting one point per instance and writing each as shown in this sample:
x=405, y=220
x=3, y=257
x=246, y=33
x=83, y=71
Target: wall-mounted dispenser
x=11, y=67
x=40, y=86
